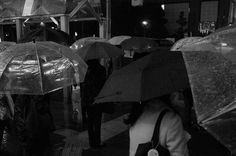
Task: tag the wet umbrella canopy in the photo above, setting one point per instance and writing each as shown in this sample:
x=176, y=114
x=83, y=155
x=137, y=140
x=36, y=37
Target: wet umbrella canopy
x=116, y=40
x=84, y=41
x=5, y=44
x=212, y=75
x=213, y=82
x=39, y=68
x=184, y=42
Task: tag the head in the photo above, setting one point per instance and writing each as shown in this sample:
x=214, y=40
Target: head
x=182, y=102
x=181, y=98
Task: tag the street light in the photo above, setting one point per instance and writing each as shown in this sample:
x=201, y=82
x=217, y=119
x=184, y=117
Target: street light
x=146, y=24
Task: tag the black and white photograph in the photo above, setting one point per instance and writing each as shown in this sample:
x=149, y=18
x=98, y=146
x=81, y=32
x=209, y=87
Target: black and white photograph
x=117, y=78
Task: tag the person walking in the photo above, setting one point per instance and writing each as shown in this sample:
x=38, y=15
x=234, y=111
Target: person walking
x=142, y=121
x=93, y=82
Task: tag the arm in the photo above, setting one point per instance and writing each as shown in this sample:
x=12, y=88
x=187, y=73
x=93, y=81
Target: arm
x=176, y=136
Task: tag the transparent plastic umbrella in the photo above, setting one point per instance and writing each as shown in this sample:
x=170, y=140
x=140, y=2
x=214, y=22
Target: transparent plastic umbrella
x=39, y=68
x=212, y=76
x=116, y=40
x=5, y=44
x=84, y=41
x=184, y=42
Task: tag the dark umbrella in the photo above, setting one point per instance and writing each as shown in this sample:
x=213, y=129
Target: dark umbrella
x=48, y=34
x=149, y=77
x=97, y=50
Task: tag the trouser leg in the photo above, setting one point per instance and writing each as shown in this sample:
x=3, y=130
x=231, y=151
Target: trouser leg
x=94, y=126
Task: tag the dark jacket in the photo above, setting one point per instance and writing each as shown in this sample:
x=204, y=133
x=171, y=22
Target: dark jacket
x=93, y=83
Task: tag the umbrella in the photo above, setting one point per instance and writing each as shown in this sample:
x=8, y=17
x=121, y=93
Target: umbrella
x=116, y=40
x=97, y=50
x=39, y=68
x=184, y=42
x=213, y=82
x=198, y=46
x=139, y=44
x=48, y=34
x=151, y=76
x=84, y=41
x=212, y=77
x=5, y=44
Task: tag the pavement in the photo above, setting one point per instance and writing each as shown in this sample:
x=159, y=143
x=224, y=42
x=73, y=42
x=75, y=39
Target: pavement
x=76, y=142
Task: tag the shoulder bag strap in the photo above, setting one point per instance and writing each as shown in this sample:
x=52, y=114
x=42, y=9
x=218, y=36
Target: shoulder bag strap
x=155, y=136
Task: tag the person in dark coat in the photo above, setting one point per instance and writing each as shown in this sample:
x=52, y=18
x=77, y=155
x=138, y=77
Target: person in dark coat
x=94, y=81
x=34, y=123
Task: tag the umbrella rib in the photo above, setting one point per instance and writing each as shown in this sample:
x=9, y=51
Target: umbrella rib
x=227, y=108
x=40, y=69
x=6, y=66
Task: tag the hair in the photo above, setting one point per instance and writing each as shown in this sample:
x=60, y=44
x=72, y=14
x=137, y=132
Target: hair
x=137, y=109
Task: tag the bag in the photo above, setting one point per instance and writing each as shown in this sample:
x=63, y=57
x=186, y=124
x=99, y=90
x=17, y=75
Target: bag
x=153, y=148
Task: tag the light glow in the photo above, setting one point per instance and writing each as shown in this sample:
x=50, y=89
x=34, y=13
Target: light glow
x=76, y=34
x=144, y=22
x=163, y=6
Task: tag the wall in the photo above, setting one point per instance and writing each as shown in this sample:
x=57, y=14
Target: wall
x=209, y=12
x=172, y=14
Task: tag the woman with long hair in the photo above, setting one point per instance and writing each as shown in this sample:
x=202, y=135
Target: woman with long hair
x=142, y=120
